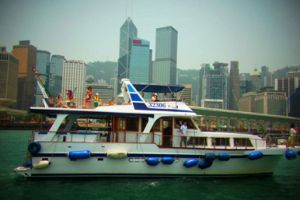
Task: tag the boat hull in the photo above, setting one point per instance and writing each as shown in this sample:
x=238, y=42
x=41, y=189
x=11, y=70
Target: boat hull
x=135, y=164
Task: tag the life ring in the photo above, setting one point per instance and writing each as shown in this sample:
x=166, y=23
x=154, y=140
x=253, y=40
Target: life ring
x=34, y=148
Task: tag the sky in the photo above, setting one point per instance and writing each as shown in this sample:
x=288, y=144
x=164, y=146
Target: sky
x=254, y=32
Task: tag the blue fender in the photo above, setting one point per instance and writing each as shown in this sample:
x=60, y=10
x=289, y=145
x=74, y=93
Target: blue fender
x=210, y=157
x=290, y=154
x=203, y=164
x=152, y=161
x=254, y=155
x=167, y=160
x=83, y=154
x=190, y=163
x=224, y=156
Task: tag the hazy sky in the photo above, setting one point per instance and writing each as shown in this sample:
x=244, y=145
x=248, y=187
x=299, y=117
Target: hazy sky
x=253, y=32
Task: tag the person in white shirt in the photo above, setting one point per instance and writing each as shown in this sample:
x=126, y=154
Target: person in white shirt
x=183, y=134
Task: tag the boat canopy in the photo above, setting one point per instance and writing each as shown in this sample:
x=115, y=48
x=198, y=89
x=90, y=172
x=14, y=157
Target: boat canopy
x=158, y=88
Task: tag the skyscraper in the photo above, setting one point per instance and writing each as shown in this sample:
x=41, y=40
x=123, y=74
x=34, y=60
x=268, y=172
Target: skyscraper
x=202, y=83
x=139, y=61
x=73, y=78
x=294, y=101
x=265, y=77
x=55, y=74
x=186, y=94
x=128, y=31
x=26, y=54
x=245, y=83
x=214, y=87
x=287, y=84
x=8, y=78
x=42, y=68
x=255, y=80
x=234, y=88
x=165, y=65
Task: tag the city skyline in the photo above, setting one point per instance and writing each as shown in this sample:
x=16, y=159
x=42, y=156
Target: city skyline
x=255, y=33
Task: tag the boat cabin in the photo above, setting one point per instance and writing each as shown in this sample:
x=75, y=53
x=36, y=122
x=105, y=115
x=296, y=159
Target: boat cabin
x=163, y=131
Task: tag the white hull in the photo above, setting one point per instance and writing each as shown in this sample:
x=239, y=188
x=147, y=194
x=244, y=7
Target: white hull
x=134, y=165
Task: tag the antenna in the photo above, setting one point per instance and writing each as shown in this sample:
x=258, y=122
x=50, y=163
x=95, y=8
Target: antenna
x=131, y=14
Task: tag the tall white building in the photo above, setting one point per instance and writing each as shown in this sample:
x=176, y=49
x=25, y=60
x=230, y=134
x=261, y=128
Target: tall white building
x=73, y=78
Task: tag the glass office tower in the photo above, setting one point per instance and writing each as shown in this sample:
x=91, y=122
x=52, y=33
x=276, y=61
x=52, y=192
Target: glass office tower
x=165, y=65
x=128, y=31
x=139, y=61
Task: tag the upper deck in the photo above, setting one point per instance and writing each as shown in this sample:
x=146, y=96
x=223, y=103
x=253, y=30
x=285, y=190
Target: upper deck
x=134, y=103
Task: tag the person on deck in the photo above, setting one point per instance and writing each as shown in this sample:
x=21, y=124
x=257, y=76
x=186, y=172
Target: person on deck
x=183, y=133
x=292, y=137
x=60, y=102
x=88, y=97
x=97, y=100
x=154, y=97
x=71, y=99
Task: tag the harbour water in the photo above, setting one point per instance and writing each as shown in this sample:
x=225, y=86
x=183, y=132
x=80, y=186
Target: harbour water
x=284, y=184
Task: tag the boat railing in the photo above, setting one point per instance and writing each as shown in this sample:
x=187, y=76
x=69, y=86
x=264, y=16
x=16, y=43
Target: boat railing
x=275, y=139
x=193, y=141
x=207, y=142
x=105, y=136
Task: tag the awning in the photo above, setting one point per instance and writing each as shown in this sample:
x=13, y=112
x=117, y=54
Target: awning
x=158, y=88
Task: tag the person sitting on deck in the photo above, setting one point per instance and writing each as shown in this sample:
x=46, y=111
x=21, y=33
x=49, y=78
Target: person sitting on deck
x=70, y=96
x=154, y=97
x=88, y=97
x=97, y=100
x=60, y=102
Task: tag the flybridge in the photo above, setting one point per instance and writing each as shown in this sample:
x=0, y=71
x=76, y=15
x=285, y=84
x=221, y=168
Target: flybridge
x=134, y=102
x=131, y=94
x=158, y=88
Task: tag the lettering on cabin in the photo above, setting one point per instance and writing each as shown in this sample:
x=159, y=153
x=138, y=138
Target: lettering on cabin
x=157, y=105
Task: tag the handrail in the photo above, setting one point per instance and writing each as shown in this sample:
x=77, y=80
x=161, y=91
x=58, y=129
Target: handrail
x=135, y=137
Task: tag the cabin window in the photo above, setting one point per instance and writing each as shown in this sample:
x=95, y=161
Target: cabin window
x=121, y=124
x=220, y=142
x=156, y=126
x=132, y=124
x=197, y=141
x=242, y=142
x=188, y=121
